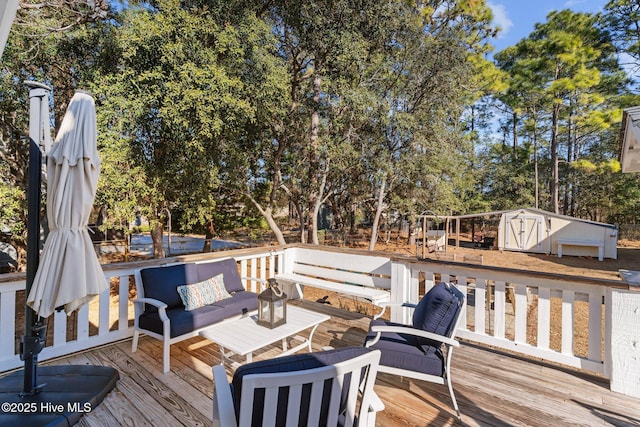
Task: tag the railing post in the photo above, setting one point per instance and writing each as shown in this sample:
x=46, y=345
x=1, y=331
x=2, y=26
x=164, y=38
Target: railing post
x=400, y=290
x=622, y=349
x=286, y=261
x=288, y=256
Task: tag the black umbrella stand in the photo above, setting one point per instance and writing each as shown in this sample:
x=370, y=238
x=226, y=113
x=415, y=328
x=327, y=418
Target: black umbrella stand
x=67, y=392
x=33, y=340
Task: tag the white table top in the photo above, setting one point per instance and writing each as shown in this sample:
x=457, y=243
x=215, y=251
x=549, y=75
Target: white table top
x=244, y=335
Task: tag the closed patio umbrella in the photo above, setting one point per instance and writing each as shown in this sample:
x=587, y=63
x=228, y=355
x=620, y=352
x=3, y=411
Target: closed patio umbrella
x=69, y=273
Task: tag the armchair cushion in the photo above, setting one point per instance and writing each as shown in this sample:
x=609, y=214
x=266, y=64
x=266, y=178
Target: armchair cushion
x=297, y=362
x=203, y=293
x=404, y=351
x=437, y=312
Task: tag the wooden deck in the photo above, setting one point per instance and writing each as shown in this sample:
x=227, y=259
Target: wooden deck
x=493, y=389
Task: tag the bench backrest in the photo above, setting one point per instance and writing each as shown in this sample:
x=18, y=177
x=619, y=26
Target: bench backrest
x=364, y=270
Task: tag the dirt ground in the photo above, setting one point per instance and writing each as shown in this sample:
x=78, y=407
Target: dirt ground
x=628, y=255
x=628, y=258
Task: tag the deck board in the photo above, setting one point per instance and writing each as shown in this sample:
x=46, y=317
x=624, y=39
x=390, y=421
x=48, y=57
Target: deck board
x=493, y=388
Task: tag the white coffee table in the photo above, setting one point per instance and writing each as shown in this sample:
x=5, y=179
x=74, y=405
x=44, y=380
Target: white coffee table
x=243, y=336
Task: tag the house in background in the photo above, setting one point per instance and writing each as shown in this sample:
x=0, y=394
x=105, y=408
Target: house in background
x=630, y=146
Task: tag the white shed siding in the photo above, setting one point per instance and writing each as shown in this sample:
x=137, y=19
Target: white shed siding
x=534, y=230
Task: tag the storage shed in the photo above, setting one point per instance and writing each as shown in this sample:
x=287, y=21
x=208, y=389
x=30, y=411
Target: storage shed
x=535, y=230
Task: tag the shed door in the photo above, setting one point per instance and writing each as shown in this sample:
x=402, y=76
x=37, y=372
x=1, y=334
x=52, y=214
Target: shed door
x=524, y=232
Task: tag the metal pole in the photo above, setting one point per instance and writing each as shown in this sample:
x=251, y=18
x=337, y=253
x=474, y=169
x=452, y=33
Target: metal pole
x=35, y=331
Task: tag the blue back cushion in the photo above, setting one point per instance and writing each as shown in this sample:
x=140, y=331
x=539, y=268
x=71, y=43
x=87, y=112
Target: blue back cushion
x=161, y=283
x=229, y=269
x=438, y=311
x=296, y=362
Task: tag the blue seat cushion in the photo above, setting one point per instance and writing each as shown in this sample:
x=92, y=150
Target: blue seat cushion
x=404, y=351
x=182, y=321
x=161, y=283
x=296, y=362
x=438, y=311
x=233, y=306
x=228, y=268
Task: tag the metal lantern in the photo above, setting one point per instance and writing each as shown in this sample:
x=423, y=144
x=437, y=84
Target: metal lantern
x=272, y=306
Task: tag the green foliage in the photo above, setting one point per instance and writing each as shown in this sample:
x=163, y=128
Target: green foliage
x=507, y=182
x=565, y=83
x=48, y=43
x=230, y=112
x=11, y=210
x=186, y=89
x=622, y=18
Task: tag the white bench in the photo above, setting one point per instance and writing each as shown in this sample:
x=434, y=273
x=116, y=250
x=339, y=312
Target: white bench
x=586, y=243
x=360, y=276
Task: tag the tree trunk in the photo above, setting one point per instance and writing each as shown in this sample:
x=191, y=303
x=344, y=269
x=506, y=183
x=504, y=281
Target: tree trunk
x=411, y=238
x=515, y=136
x=267, y=213
x=313, y=196
x=376, y=219
x=156, y=238
x=21, y=256
x=555, y=180
x=303, y=234
x=568, y=185
x=314, y=222
x=208, y=236
x=319, y=201
x=535, y=160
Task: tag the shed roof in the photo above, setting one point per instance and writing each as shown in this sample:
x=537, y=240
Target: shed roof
x=534, y=210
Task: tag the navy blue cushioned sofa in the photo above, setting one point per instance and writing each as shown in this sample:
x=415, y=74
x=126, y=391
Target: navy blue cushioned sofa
x=159, y=309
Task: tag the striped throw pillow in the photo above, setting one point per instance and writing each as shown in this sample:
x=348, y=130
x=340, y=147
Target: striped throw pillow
x=203, y=293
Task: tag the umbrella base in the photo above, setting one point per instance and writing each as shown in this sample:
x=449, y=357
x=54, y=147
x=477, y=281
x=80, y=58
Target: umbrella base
x=70, y=392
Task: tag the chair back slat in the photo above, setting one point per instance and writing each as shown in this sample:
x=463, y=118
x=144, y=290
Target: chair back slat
x=270, y=409
x=295, y=403
x=317, y=395
x=350, y=410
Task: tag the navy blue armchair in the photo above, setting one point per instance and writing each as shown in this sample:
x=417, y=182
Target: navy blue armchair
x=424, y=349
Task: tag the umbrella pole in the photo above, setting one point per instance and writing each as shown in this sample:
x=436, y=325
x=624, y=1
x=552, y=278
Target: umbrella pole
x=32, y=342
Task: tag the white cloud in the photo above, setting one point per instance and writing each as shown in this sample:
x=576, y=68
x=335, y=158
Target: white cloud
x=500, y=18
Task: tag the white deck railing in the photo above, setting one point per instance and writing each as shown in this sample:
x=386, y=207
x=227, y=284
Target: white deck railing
x=553, y=317
x=529, y=313
x=109, y=317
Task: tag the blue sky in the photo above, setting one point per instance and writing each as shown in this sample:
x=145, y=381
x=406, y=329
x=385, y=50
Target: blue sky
x=517, y=18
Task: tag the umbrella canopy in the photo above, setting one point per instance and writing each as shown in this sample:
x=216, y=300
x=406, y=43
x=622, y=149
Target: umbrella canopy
x=69, y=273
x=7, y=14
